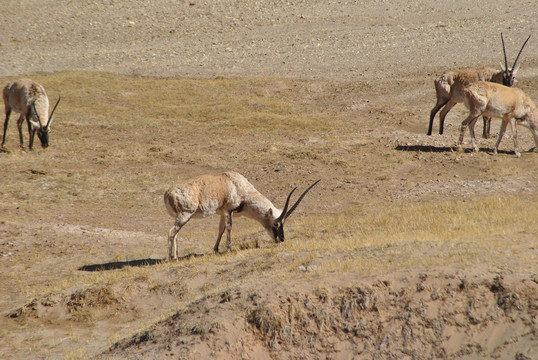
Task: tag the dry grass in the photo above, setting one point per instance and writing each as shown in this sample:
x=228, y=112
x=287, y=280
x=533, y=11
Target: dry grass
x=120, y=137
x=114, y=148
x=408, y=235
x=95, y=197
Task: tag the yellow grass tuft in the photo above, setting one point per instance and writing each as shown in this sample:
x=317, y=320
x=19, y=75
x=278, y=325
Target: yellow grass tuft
x=402, y=235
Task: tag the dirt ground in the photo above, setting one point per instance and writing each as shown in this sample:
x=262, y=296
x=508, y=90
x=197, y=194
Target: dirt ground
x=367, y=65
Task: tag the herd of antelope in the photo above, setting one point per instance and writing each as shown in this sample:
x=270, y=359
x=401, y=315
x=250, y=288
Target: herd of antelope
x=489, y=93
x=485, y=92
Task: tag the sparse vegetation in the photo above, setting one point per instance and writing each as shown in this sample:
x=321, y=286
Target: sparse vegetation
x=269, y=323
x=83, y=228
x=175, y=288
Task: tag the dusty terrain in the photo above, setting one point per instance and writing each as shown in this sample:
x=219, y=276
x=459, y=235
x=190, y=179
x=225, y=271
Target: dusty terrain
x=406, y=249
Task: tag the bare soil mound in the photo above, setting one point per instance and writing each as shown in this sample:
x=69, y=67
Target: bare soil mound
x=420, y=316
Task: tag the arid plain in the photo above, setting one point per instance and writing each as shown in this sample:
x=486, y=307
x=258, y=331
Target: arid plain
x=406, y=249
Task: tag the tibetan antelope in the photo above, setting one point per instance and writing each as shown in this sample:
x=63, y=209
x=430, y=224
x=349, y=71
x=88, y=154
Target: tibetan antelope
x=449, y=87
x=30, y=100
x=224, y=194
x=511, y=105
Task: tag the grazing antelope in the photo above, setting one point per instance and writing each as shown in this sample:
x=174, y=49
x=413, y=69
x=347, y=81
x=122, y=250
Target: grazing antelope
x=511, y=105
x=449, y=87
x=224, y=194
x=30, y=100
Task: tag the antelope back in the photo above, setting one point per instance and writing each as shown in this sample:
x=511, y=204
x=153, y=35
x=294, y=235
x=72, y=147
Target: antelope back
x=206, y=194
x=22, y=95
x=498, y=100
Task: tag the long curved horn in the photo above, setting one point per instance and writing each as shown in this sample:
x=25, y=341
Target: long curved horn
x=52, y=113
x=517, y=58
x=504, y=52
x=282, y=216
x=299, y=200
x=36, y=114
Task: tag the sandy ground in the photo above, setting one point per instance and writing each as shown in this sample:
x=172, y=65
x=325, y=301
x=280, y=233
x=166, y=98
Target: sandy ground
x=306, y=39
x=345, y=57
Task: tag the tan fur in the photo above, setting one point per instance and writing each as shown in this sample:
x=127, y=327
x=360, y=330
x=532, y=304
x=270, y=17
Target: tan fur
x=21, y=96
x=222, y=194
x=511, y=105
x=449, y=90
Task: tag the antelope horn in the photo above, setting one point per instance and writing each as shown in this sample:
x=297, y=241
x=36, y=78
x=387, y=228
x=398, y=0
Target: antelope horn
x=299, y=200
x=517, y=58
x=282, y=216
x=504, y=52
x=36, y=114
x=52, y=113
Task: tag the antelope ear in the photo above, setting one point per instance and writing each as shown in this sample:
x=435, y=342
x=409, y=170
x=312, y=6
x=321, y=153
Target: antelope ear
x=514, y=71
x=502, y=67
x=270, y=214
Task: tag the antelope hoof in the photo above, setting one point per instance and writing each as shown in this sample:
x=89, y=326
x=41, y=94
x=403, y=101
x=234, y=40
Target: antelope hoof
x=173, y=258
x=518, y=154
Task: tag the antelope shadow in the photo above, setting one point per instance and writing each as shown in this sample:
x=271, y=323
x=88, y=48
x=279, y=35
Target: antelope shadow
x=115, y=265
x=441, y=149
x=425, y=148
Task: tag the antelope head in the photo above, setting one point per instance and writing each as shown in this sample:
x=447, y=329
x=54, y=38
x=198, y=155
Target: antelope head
x=277, y=226
x=44, y=131
x=510, y=73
